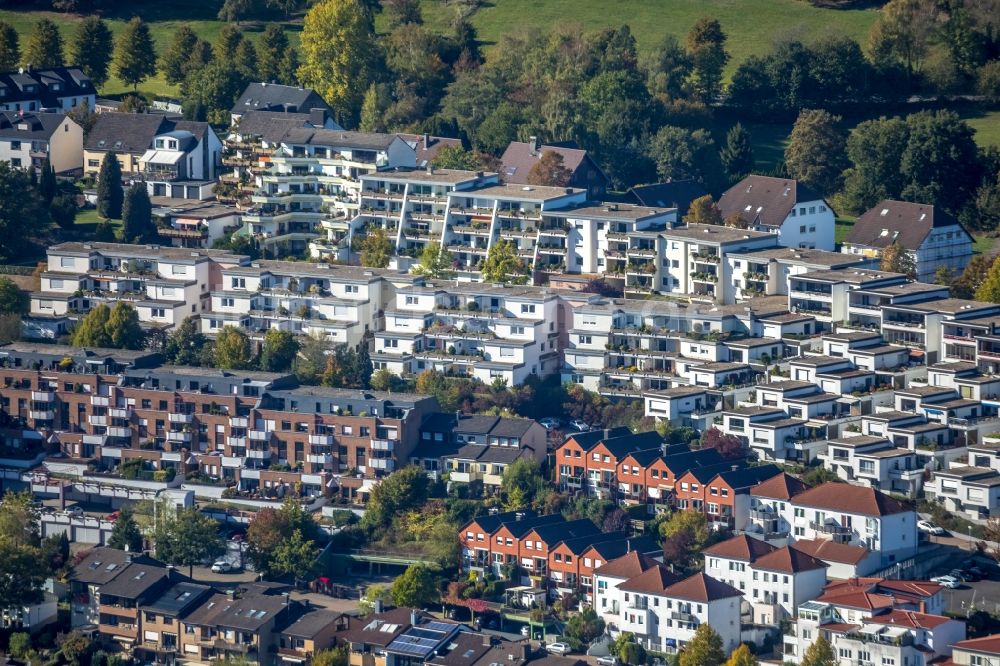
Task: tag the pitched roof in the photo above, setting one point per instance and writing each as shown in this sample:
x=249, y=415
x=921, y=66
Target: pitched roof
x=740, y=547
x=781, y=486
x=627, y=566
x=847, y=498
x=610, y=550
x=427, y=147
x=135, y=580
x=701, y=587
x=908, y=618
x=747, y=477
x=654, y=580
x=581, y=543
x=103, y=564
x=892, y=221
x=679, y=463
x=676, y=194
x=828, y=551
x=789, y=560
x=29, y=126
x=71, y=81
x=380, y=628
x=764, y=200
x=339, y=138
x=620, y=446
x=985, y=644
x=275, y=97
x=270, y=125
x=311, y=622
x=519, y=157
x=553, y=533
x=591, y=438
x=124, y=132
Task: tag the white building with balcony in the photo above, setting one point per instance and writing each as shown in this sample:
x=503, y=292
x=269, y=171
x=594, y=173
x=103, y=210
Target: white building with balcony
x=799, y=216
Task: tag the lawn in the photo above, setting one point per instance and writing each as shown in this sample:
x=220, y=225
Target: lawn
x=844, y=224
x=163, y=17
x=87, y=220
x=752, y=26
x=987, y=126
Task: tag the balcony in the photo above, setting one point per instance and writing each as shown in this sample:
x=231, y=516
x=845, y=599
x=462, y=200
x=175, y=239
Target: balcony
x=95, y=440
x=321, y=440
x=98, y=420
x=100, y=400
x=384, y=444
x=43, y=396
x=120, y=412
x=238, y=421
x=222, y=644
x=258, y=454
x=236, y=442
x=829, y=528
x=179, y=436
x=260, y=435
x=174, y=417
x=118, y=431
x=387, y=464
x=42, y=414
x=321, y=459
x=681, y=616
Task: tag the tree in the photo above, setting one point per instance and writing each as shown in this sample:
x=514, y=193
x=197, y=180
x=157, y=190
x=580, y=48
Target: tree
x=685, y=534
x=135, y=53
x=435, y=262
x=729, y=447
x=123, y=327
x=184, y=344
x=12, y=299
x=20, y=644
x=667, y=68
x=737, y=155
x=681, y=153
x=989, y=288
x=401, y=491
x=110, y=194
x=703, y=210
x=706, y=47
x=137, y=216
x=816, y=154
x=236, y=10
x=21, y=576
x=47, y=184
x=376, y=249
x=503, y=265
x=187, y=537
x=289, y=72
x=125, y=535
x=92, y=47
x=226, y=42
x=902, y=33
x=45, y=46
x=294, y=556
x=278, y=351
x=616, y=521
x=820, y=653
x=214, y=88
x=704, y=648
x=875, y=150
x=896, y=259
x=338, y=43
x=522, y=481
x=174, y=61
x=22, y=212
x=92, y=329
x=940, y=162
x=337, y=656
x=245, y=60
x=270, y=51
x=585, y=626
x=456, y=157
x=742, y=656
x=271, y=527
x=287, y=6
x=415, y=588
x=549, y=170
x=373, y=109
x=232, y=349
x=10, y=47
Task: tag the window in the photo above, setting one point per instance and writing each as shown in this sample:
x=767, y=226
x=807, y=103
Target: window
x=351, y=289
x=93, y=163
x=15, y=145
x=239, y=283
x=527, y=309
x=802, y=229
x=228, y=302
x=15, y=161
x=157, y=313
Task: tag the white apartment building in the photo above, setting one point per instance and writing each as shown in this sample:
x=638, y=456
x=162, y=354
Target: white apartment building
x=823, y=294
x=470, y=329
x=800, y=217
x=26, y=140
x=875, y=462
x=773, y=580
x=165, y=285
x=313, y=186
x=609, y=601
x=767, y=272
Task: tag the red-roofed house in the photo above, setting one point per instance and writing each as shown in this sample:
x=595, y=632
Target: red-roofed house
x=521, y=156
x=983, y=651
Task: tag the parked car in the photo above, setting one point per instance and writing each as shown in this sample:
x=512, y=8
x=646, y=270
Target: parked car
x=610, y=660
x=947, y=581
x=929, y=527
x=968, y=575
x=550, y=422
x=221, y=566
x=74, y=511
x=580, y=425
x=557, y=648
x=959, y=574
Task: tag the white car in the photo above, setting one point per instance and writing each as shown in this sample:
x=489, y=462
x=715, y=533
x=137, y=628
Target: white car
x=947, y=581
x=221, y=566
x=610, y=660
x=557, y=648
x=577, y=424
x=549, y=423
x=929, y=527
x=74, y=511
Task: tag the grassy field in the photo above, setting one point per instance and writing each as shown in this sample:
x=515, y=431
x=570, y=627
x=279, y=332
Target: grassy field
x=752, y=26
x=987, y=126
x=163, y=17
x=844, y=224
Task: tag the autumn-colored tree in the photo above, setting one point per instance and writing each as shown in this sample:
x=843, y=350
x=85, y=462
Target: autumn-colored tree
x=742, y=656
x=729, y=447
x=897, y=259
x=966, y=285
x=989, y=289
x=820, y=653
x=703, y=210
x=549, y=170
x=704, y=648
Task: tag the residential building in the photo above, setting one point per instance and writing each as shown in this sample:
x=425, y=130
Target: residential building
x=427, y=146
x=28, y=139
x=520, y=157
x=56, y=89
x=674, y=194
x=766, y=272
x=276, y=98
x=312, y=631
x=589, y=461
x=163, y=637
x=488, y=444
x=982, y=651
x=798, y=215
x=194, y=224
x=932, y=238
x=608, y=600
x=723, y=495
x=875, y=462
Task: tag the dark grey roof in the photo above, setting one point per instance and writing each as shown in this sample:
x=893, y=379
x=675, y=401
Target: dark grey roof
x=676, y=194
x=135, y=581
x=476, y=424
x=765, y=200
x=72, y=82
x=29, y=126
x=339, y=139
x=100, y=566
x=310, y=623
x=134, y=132
x=274, y=97
x=271, y=125
x=507, y=427
x=898, y=221
x=179, y=599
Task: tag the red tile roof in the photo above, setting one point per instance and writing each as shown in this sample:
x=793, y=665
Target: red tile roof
x=652, y=581
x=984, y=644
x=845, y=498
x=782, y=487
x=740, y=547
x=829, y=551
x=701, y=587
x=627, y=566
x=789, y=560
x=856, y=599
x=916, y=588
x=914, y=620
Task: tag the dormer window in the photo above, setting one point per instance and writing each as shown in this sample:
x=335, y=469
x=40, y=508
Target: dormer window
x=159, y=143
x=885, y=211
x=55, y=87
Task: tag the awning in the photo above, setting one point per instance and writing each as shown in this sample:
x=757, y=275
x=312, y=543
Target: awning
x=161, y=156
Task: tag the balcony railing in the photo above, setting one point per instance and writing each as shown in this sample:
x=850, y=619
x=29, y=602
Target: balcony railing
x=829, y=528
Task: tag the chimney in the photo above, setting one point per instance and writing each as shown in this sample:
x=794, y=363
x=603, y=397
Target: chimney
x=923, y=606
x=487, y=641
x=378, y=604
x=533, y=145
x=427, y=141
x=171, y=569
x=231, y=594
x=128, y=558
x=414, y=617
